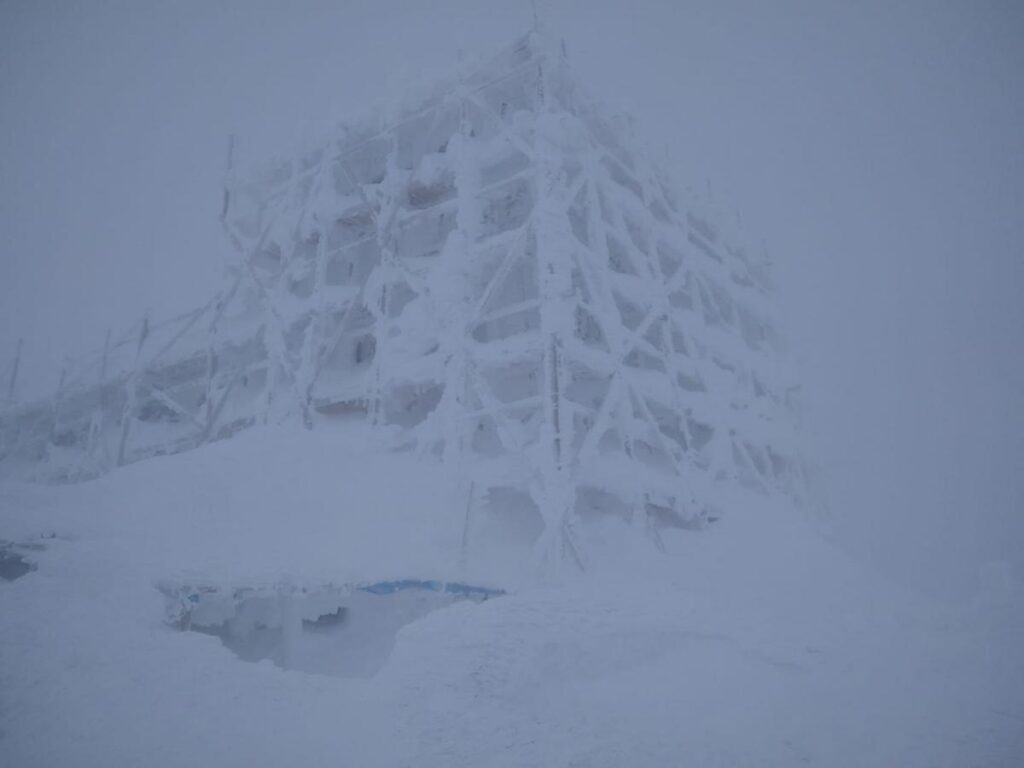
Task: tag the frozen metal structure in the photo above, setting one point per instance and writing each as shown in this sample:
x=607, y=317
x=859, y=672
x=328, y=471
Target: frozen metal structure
x=496, y=275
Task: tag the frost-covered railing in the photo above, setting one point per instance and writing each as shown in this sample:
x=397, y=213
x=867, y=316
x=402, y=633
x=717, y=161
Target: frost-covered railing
x=157, y=388
x=498, y=276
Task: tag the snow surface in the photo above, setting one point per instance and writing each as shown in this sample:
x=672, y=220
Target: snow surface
x=752, y=643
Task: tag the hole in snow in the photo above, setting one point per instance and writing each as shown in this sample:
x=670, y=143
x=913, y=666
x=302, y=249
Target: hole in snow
x=341, y=631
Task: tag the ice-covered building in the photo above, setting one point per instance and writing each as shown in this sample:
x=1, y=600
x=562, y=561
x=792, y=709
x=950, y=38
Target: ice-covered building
x=498, y=279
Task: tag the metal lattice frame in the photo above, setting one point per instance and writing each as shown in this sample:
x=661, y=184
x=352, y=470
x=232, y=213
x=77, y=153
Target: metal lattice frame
x=497, y=277
x=569, y=274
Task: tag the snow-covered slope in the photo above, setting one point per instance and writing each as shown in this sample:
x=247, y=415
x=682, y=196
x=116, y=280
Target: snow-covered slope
x=752, y=643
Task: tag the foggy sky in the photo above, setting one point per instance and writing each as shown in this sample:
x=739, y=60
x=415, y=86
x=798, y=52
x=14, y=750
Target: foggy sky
x=876, y=148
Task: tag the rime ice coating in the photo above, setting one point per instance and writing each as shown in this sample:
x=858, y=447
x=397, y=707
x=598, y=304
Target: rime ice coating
x=498, y=276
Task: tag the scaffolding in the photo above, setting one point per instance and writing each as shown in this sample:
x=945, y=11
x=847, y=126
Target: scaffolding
x=498, y=279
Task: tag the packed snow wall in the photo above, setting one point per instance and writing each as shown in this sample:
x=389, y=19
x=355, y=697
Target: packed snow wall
x=497, y=276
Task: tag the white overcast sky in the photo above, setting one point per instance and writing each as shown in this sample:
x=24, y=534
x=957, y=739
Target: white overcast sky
x=876, y=147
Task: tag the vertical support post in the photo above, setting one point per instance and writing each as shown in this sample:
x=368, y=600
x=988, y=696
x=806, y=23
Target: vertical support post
x=467, y=525
x=56, y=403
x=14, y=371
x=211, y=370
x=132, y=387
x=99, y=412
x=554, y=245
x=213, y=409
x=305, y=374
x=449, y=293
x=106, y=356
x=383, y=221
x=227, y=179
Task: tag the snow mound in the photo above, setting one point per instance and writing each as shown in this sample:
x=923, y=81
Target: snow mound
x=752, y=643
